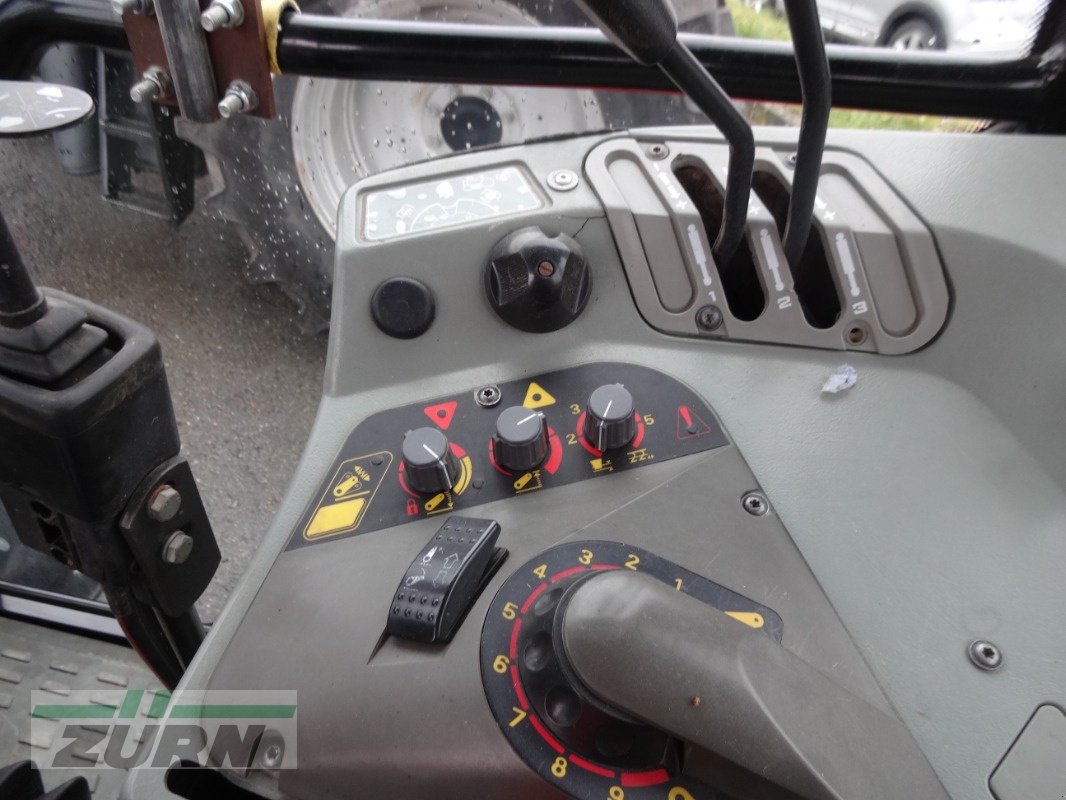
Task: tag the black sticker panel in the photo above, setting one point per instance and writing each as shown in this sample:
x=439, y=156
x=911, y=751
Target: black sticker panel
x=366, y=490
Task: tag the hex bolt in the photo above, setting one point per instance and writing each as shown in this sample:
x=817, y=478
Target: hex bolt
x=755, y=503
x=985, y=655
x=240, y=98
x=177, y=548
x=488, y=396
x=163, y=503
x=709, y=318
x=222, y=14
x=154, y=83
x=122, y=7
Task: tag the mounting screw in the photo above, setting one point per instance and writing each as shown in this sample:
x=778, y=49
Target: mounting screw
x=856, y=334
x=488, y=396
x=709, y=318
x=122, y=7
x=658, y=151
x=755, y=503
x=222, y=14
x=790, y=160
x=272, y=756
x=985, y=655
x=178, y=547
x=563, y=180
x=163, y=503
x=270, y=750
x=154, y=83
x=240, y=98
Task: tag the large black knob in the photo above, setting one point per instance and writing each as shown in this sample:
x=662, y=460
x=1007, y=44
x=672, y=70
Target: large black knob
x=536, y=282
x=609, y=417
x=521, y=439
x=429, y=464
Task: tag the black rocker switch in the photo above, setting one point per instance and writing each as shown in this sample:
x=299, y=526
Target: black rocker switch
x=444, y=579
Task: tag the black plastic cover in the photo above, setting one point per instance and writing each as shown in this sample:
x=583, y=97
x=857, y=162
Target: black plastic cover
x=443, y=580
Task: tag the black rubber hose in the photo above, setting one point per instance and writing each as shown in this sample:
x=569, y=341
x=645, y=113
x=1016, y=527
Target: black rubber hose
x=690, y=76
x=816, y=87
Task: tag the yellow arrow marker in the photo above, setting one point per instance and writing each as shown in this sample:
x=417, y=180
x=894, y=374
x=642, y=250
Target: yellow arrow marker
x=537, y=397
x=749, y=618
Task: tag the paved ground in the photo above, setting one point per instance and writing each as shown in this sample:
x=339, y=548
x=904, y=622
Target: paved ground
x=245, y=381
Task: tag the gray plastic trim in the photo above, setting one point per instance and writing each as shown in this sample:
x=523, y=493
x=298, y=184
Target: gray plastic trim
x=883, y=260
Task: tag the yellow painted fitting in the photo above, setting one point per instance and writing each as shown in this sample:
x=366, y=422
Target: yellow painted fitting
x=272, y=10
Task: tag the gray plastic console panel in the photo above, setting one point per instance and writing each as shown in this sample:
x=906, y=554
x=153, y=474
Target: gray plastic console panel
x=928, y=500
x=885, y=270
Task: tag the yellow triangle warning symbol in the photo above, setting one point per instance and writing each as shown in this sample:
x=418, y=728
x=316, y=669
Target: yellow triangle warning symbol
x=537, y=396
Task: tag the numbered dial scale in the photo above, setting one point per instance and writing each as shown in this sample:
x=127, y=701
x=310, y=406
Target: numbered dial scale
x=566, y=736
x=368, y=488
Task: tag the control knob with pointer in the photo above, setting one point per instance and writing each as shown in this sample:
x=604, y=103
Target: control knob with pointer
x=521, y=439
x=609, y=417
x=429, y=464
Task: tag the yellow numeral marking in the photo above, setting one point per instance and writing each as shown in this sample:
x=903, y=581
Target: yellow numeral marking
x=510, y=611
x=559, y=767
x=616, y=793
x=500, y=664
x=541, y=571
x=649, y=419
x=571, y=438
x=575, y=409
x=679, y=793
x=585, y=557
x=678, y=583
x=519, y=715
x=632, y=562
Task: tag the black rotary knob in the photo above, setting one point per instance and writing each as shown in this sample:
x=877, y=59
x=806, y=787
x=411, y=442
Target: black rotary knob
x=521, y=439
x=429, y=464
x=609, y=417
x=536, y=282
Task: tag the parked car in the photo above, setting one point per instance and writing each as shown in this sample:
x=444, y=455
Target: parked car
x=998, y=26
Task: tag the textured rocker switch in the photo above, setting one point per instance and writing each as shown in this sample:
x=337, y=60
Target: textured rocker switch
x=444, y=579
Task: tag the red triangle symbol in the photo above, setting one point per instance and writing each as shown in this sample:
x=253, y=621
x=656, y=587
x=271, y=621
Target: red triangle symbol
x=689, y=424
x=442, y=413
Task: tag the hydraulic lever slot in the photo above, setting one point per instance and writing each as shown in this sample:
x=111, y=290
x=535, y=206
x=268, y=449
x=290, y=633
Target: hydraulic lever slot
x=743, y=290
x=812, y=276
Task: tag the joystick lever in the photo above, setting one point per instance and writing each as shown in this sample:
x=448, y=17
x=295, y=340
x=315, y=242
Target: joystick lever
x=767, y=723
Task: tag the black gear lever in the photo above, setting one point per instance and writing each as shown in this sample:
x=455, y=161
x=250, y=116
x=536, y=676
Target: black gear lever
x=647, y=31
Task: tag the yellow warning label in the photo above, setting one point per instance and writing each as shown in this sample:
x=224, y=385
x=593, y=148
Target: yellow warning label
x=337, y=517
x=529, y=482
x=601, y=465
x=350, y=493
x=752, y=619
x=439, y=503
x=537, y=396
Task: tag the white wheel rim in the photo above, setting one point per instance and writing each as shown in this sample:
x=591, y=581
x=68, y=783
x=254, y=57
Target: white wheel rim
x=345, y=130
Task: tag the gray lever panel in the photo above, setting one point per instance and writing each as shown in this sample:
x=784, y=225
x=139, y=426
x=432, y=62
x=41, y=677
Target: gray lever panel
x=760, y=706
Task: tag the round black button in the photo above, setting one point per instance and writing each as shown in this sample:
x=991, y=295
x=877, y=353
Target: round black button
x=429, y=464
x=403, y=307
x=521, y=439
x=609, y=421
